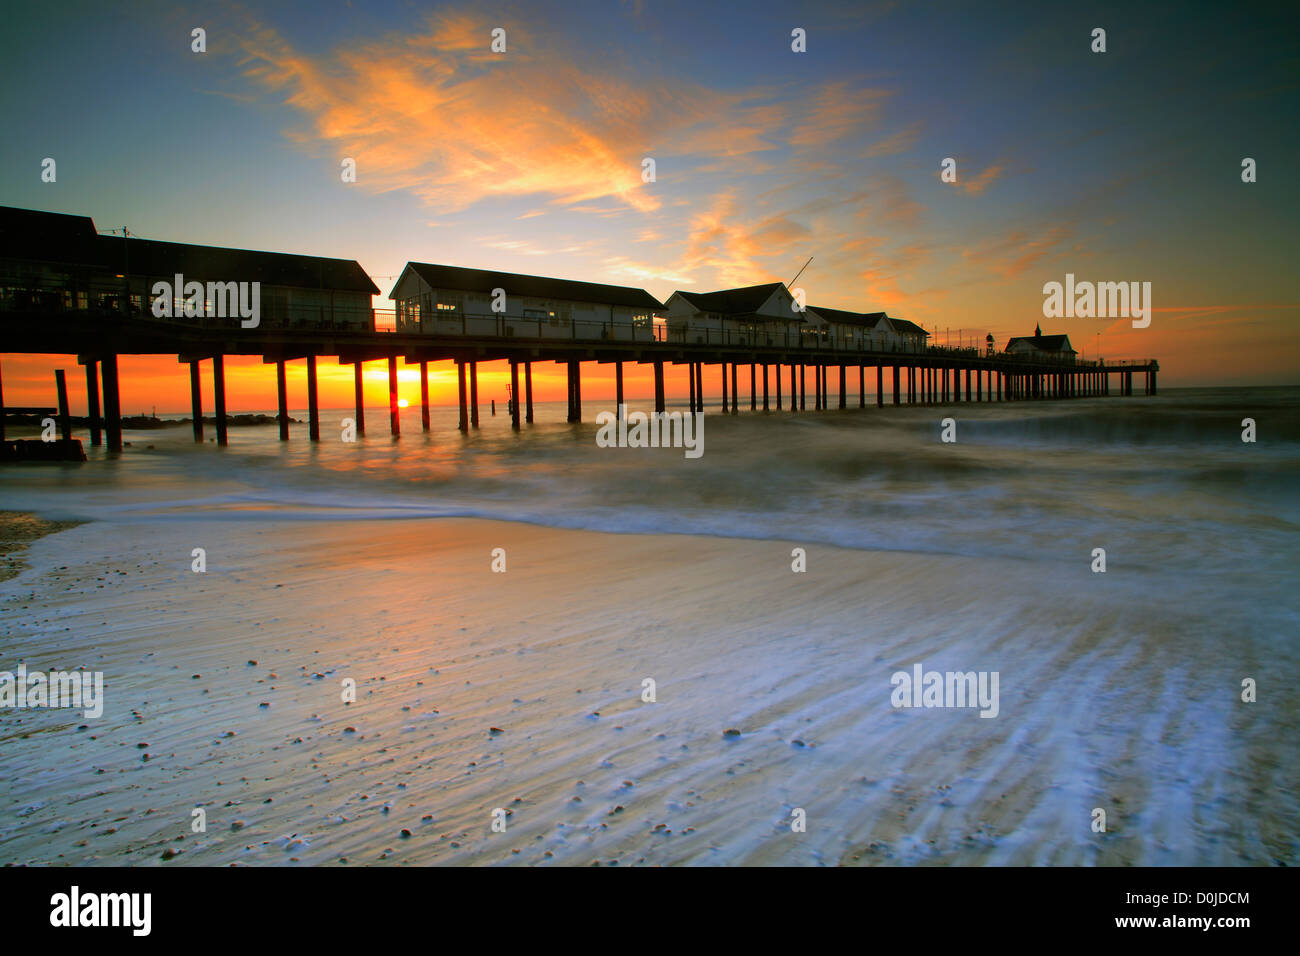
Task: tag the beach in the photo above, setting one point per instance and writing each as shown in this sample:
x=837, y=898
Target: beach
x=501, y=711
x=223, y=692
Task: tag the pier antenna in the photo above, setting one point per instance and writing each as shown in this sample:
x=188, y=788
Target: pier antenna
x=799, y=273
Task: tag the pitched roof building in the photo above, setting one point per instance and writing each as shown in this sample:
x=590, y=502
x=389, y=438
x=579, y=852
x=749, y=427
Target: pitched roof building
x=438, y=299
x=1038, y=345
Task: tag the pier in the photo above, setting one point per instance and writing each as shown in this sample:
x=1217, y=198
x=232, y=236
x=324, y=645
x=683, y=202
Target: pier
x=780, y=374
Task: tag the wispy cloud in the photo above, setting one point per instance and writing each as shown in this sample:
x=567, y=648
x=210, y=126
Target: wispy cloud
x=438, y=113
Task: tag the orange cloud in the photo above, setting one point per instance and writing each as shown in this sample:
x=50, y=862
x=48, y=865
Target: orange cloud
x=438, y=113
x=981, y=182
x=1012, y=254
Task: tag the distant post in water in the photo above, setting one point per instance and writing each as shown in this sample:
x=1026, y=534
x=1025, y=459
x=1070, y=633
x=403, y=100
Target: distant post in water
x=112, y=403
x=313, y=410
x=196, y=401
x=282, y=399
x=219, y=395
x=359, y=398
x=528, y=391
x=92, y=403
x=65, y=416
x=463, y=424
x=424, y=396
x=473, y=394
x=514, y=394
x=394, y=419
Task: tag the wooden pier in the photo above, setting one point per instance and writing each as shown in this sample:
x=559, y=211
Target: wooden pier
x=933, y=376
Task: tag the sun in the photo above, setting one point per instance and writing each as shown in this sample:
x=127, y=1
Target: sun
x=402, y=403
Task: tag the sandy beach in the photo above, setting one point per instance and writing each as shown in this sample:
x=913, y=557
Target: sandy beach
x=522, y=691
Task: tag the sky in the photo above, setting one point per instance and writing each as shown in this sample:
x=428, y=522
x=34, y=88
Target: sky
x=1123, y=165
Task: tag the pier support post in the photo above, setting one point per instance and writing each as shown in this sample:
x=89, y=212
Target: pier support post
x=473, y=394
x=528, y=392
x=777, y=369
x=659, y=385
x=196, y=402
x=618, y=384
x=699, y=386
x=765, y=405
x=803, y=391
x=690, y=380
x=424, y=396
x=2, y=409
x=394, y=419
x=568, y=378
x=1153, y=381
x=842, y=388
x=282, y=400
x=735, y=392
x=219, y=395
x=880, y=385
x=92, y=403
x=65, y=416
x=753, y=387
x=112, y=403
x=968, y=385
x=514, y=394
x=724, y=388
x=313, y=404
x=577, y=390
x=463, y=422
x=862, y=386
x=895, y=384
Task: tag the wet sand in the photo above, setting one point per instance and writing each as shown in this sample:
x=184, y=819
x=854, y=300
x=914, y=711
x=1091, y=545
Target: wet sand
x=522, y=692
x=17, y=530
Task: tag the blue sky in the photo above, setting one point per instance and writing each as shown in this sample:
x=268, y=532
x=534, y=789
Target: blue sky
x=1116, y=166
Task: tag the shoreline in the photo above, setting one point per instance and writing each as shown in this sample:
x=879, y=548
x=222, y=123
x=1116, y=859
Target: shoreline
x=18, y=529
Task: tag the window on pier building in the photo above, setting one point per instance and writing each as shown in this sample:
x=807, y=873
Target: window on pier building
x=450, y=304
x=641, y=321
x=411, y=310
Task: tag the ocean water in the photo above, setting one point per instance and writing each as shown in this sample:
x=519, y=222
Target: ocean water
x=1126, y=682
x=1164, y=483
